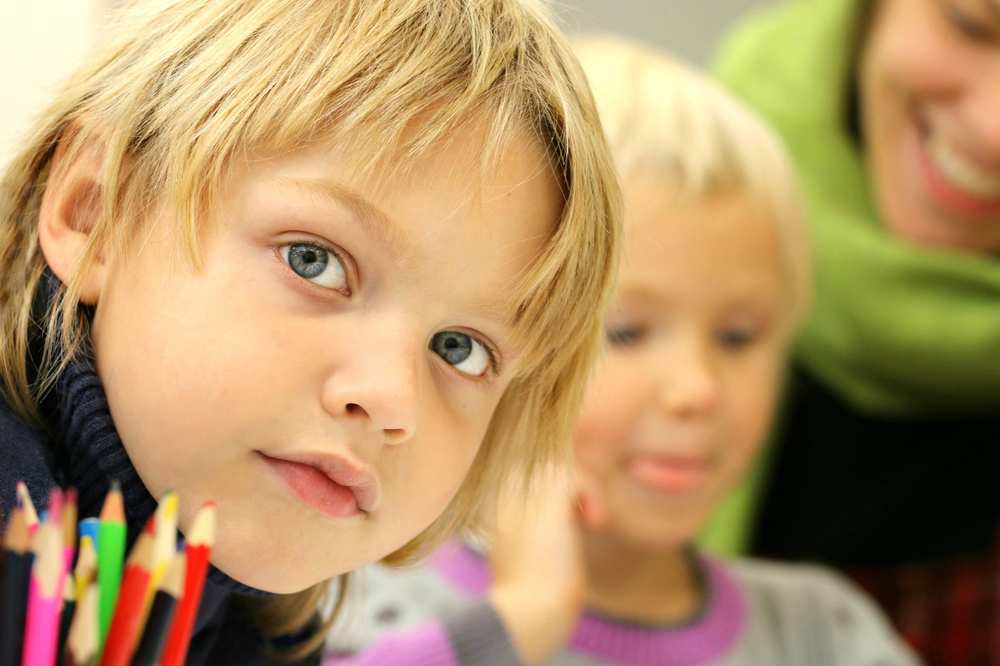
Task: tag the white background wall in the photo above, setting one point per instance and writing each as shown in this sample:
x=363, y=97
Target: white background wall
x=42, y=40
x=689, y=28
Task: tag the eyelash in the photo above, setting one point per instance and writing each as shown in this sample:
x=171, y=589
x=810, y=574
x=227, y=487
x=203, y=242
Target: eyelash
x=968, y=26
x=350, y=270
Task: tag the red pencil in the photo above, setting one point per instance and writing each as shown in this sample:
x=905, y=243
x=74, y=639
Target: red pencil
x=127, y=617
x=198, y=550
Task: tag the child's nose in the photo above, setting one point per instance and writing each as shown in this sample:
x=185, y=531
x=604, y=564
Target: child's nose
x=690, y=385
x=377, y=392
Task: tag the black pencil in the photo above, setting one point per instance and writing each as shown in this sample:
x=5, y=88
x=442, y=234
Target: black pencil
x=154, y=636
x=67, y=612
x=14, y=591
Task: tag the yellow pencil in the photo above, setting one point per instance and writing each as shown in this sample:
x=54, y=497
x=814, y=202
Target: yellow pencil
x=164, y=545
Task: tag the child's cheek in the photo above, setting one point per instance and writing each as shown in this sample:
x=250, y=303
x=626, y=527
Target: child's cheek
x=595, y=444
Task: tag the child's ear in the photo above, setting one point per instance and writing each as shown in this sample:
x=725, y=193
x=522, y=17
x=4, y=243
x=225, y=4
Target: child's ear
x=69, y=210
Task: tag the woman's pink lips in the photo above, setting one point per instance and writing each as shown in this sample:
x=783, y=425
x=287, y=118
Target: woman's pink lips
x=669, y=474
x=943, y=193
x=328, y=484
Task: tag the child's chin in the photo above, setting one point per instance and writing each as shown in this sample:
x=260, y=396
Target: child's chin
x=659, y=532
x=262, y=573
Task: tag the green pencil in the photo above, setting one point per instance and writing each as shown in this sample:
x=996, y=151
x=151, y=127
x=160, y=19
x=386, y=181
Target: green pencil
x=110, y=557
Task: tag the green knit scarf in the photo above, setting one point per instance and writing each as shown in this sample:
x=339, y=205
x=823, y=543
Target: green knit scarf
x=895, y=330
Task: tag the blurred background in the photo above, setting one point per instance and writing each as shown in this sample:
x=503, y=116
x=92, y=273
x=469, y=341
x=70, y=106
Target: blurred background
x=42, y=41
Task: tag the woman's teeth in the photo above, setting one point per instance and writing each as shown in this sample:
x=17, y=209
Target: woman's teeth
x=959, y=172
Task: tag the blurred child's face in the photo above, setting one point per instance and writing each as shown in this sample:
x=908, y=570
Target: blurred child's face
x=696, y=339
x=930, y=95
x=329, y=373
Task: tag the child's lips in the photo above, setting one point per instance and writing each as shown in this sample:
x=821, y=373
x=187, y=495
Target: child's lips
x=669, y=473
x=335, y=485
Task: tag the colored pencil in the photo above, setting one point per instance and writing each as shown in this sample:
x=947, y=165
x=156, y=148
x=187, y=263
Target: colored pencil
x=90, y=527
x=81, y=646
x=154, y=637
x=110, y=555
x=86, y=566
x=24, y=501
x=198, y=549
x=69, y=527
x=41, y=629
x=14, y=591
x=165, y=539
x=67, y=611
x=124, y=629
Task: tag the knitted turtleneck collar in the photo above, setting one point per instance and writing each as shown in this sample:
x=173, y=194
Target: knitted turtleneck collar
x=88, y=453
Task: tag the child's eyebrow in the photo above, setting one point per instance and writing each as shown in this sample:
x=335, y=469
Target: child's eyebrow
x=374, y=221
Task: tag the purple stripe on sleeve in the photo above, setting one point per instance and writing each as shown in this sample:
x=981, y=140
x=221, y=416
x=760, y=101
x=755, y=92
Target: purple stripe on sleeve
x=424, y=646
x=709, y=637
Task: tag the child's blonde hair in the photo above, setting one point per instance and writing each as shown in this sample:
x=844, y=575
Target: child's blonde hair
x=182, y=88
x=665, y=118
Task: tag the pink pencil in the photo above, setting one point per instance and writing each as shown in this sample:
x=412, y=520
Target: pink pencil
x=41, y=629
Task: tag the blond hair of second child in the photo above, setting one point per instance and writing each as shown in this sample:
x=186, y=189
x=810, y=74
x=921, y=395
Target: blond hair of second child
x=601, y=569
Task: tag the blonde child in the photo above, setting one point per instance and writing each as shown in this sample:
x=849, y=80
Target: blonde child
x=714, y=282
x=314, y=261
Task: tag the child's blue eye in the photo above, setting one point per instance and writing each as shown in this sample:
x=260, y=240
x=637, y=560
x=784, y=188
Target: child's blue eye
x=316, y=264
x=466, y=354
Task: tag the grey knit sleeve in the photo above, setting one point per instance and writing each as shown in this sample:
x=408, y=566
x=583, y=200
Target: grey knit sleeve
x=479, y=636
x=862, y=634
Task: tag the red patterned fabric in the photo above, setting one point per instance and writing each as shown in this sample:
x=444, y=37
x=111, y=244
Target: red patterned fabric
x=948, y=611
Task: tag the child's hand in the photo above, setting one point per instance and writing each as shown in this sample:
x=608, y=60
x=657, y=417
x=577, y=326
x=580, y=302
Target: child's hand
x=537, y=565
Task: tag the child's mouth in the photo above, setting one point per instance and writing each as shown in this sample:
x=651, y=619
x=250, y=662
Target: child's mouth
x=328, y=484
x=670, y=474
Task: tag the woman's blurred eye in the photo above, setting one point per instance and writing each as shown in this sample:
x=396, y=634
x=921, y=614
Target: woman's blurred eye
x=316, y=264
x=970, y=26
x=735, y=338
x=464, y=353
x=624, y=336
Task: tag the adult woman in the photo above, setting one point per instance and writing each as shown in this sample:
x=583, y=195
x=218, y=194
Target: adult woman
x=885, y=462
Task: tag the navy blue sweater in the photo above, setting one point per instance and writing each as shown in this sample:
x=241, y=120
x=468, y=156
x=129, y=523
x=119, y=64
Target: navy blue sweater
x=80, y=447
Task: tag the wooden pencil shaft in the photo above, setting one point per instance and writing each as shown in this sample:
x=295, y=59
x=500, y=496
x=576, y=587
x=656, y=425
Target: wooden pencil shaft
x=16, y=537
x=24, y=497
x=81, y=648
